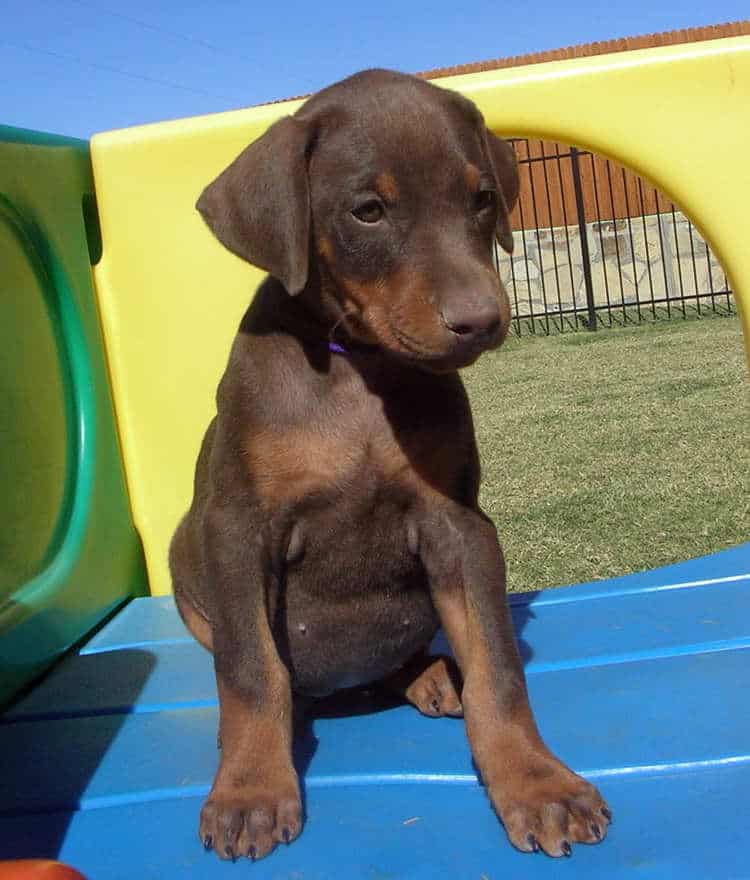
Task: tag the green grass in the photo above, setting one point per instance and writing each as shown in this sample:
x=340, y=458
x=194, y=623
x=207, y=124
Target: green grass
x=609, y=452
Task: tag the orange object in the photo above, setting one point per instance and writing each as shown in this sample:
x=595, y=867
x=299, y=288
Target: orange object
x=38, y=869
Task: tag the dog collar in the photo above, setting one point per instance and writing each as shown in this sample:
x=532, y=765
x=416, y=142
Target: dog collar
x=339, y=349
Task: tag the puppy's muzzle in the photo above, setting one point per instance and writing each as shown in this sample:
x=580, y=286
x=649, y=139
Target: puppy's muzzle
x=473, y=324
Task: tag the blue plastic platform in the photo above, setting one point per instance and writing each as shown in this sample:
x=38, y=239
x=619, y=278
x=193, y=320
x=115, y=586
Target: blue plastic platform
x=640, y=683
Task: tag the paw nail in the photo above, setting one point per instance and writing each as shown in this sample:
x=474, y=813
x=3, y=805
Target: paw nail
x=607, y=814
x=208, y=842
x=229, y=853
x=286, y=835
x=435, y=705
x=597, y=831
x=252, y=853
x=532, y=841
x=566, y=848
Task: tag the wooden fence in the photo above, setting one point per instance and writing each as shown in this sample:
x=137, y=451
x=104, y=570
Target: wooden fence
x=608, y=189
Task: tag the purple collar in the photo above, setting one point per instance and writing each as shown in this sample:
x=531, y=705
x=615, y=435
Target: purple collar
x=339, y=349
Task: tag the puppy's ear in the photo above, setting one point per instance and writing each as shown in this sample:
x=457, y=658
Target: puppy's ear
x=505, y=163
x=259, y=207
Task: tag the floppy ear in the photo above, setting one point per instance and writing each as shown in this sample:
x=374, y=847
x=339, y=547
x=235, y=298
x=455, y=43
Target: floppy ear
x=505, y=163
x=259, y=207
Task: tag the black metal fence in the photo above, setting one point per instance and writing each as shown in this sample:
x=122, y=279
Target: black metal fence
x=593, y=247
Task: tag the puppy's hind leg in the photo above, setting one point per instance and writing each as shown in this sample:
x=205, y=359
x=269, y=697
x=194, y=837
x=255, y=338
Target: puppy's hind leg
x=432, y=683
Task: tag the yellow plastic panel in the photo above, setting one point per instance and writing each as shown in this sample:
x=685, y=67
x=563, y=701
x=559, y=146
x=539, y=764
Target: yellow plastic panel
x=171, y=297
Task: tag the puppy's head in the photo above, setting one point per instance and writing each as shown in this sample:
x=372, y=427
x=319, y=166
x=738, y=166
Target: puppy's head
x=390, y=192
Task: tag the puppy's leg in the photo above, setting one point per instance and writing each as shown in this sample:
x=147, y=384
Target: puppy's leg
x=254, y=802
x=539, y=800
x=432, y=683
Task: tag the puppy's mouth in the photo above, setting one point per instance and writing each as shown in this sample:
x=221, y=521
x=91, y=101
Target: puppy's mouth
x=456, y=356
x=445, y=352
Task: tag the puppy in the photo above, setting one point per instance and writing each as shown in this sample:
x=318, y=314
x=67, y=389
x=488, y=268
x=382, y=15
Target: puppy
x=335, y=523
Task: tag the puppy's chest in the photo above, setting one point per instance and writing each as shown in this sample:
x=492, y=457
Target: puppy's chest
x=352, y=451
x=356, y=604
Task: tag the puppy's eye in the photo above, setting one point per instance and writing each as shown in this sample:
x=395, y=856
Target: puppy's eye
x=484, y=200
x=370, y=211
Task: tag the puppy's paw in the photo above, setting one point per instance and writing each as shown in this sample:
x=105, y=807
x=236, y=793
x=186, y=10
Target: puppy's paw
x=434, y=690
x=548, y=807
x=249, y=822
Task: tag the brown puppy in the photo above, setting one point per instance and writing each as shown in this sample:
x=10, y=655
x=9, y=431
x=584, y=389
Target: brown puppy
x=335, y=522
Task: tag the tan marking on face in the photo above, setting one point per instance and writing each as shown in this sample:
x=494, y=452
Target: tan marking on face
x=472, y=176
x=386, y=186
x=395, y=311
x=362, y=299
x=413, y=313
x=325, y=248
x=399, y=312
x=413, y=316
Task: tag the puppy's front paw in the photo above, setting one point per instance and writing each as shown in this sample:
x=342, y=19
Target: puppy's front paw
x=249, y=822
x=546, y=806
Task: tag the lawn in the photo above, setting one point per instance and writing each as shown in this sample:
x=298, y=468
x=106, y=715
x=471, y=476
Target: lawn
x=609, y=452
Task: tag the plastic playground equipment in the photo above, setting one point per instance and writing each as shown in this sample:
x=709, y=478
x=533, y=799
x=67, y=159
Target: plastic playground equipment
x=106, y=269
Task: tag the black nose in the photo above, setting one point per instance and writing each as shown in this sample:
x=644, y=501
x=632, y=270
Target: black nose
x=473, y=320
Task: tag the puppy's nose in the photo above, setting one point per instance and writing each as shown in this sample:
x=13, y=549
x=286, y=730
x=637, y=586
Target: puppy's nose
x=470, y=321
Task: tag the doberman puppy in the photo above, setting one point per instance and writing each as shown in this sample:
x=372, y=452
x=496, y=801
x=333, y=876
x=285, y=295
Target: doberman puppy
x=335, y=522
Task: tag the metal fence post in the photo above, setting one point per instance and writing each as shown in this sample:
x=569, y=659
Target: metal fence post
x=590, y=322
